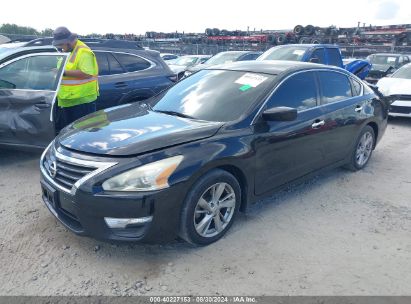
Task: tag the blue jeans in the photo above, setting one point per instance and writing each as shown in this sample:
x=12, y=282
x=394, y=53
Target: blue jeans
x=66, y=116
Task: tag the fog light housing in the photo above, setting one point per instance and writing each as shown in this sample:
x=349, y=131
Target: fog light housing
x=122, y=223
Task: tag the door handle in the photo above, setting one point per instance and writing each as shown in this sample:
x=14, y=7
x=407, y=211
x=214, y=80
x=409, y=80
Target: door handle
x=40, y=106
x=358, y=109
x=120, y=85
x=318, y=124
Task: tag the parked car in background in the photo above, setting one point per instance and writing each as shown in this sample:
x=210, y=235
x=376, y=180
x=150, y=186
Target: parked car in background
x=384, y=64
x=224, y=57
x=28, y=85
x=397, y=88
x=179, y=65
x=167, y=56
x=216, y=142
x=317, y=53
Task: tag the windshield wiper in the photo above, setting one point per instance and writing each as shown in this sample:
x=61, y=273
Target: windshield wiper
x=174, y=113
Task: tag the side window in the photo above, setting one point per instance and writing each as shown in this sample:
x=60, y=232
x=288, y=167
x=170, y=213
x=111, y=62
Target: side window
x=32, y=73
x=115, y=67
x=335, y=87
x=320, y=54
x=132, y=63
x=102, y=62
x=356, y=87
x=406, y=59
x=299, y=91
x=334, y=57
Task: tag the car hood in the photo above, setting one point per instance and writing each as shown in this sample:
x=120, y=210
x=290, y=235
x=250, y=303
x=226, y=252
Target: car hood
x=394, y=86
x=132, y=130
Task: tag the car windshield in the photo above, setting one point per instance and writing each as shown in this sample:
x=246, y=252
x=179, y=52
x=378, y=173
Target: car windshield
x=184, y=61
x=293, y=53
x=404, y=72
x=384, y=60
x=214, y=95
x=223, y=57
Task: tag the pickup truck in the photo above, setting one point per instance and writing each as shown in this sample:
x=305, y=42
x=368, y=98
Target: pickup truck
x=317, y=53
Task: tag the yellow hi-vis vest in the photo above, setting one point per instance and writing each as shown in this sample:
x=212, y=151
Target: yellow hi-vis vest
x=74, y=91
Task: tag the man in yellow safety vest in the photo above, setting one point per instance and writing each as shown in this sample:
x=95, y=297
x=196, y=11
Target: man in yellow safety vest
x=79, y=87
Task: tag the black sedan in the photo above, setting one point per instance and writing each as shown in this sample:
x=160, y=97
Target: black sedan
x=189, y=160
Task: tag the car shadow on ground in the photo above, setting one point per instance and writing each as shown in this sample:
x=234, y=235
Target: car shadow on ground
x=399, y=121
x=9, y=157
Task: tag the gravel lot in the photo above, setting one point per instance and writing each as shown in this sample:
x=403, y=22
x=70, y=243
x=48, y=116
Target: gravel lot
x=341, y=233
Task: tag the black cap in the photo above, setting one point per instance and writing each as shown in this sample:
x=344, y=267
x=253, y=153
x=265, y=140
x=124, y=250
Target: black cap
x=62, y=35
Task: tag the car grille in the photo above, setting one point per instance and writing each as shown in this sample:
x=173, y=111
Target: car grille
x=64, y=173
x=401, y=110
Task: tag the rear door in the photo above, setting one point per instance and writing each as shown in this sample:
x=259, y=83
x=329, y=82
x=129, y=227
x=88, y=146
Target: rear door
x=121, y=74
x=342, y=109
x=28, y=89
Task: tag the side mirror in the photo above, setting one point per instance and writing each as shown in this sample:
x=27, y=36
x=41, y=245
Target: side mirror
x=314, y=60
x=280, y=114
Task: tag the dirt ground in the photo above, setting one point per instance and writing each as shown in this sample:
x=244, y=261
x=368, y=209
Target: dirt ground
x=341, y=233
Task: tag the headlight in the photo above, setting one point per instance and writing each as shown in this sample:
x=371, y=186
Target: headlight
x=153, y=176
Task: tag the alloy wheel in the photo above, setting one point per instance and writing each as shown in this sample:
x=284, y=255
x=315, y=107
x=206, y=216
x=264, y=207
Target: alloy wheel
x=214, y=210
x=364, y=149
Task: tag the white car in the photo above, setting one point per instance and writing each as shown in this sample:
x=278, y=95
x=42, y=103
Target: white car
x=398, y=88
x=181, y=64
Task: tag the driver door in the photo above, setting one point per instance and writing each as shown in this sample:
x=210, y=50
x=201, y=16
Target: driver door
x=28, y=90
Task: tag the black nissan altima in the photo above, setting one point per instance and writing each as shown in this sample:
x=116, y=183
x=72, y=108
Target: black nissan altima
x=188, y=160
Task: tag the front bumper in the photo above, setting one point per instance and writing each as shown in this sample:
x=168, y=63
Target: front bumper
x=401, y=108
x=84, y=211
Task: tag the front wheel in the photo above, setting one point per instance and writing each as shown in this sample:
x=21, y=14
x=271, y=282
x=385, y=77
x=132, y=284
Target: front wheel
x=363, y=149
x=210, y=208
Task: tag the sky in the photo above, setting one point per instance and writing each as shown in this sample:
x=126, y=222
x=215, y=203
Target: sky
x=138, y=17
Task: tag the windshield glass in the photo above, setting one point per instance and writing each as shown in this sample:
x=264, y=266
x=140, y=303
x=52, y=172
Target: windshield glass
x=215, y=95
x=184, y=60
x=293, y=53
x=404, y=72
x=224, y=58
x=384, y=60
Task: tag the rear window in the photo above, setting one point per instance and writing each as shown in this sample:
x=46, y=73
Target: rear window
x=335, y=87
x=102, y=62
x=334, y=57
x=115, y=67
x=356, y=87
x=132, y=63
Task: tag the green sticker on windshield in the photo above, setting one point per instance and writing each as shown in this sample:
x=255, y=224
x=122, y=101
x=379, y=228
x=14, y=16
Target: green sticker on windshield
x=245, y=87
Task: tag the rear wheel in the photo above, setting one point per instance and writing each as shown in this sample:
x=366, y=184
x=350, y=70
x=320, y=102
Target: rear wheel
x=210, y=208
x=363, y=149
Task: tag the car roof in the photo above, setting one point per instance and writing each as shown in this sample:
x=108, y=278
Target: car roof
x=273, y=67
x=11, y=52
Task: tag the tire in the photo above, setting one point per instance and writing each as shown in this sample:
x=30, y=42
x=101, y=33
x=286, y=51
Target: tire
x=298, y=29
x=315, y=41
x=309, y=30
x=362, y=144
x=194, y=215
x=304, y=40
x=281, y=39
